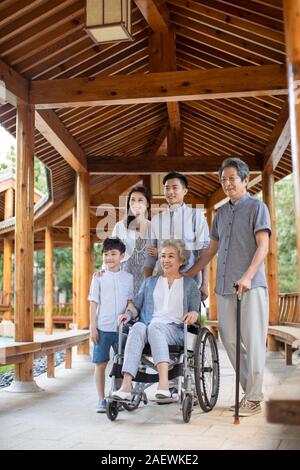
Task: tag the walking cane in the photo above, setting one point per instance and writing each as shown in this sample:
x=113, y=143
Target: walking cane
x=237, y=358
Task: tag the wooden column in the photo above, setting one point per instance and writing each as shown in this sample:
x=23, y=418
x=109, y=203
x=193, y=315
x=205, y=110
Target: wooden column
x=291, y=10
x=7, y=253
x=48, y=281
x=162, y=54
x=24, y=235
x=83, y=233
x=147, y=181
x=92, y=259
x=272, y=257
x=75, y=267
x=213, y=315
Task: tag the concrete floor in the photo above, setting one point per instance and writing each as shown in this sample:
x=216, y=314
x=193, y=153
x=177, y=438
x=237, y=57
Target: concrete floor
x=63, y=417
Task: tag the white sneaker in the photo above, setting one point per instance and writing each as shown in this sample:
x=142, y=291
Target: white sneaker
x=120, y=395
x=162, y=394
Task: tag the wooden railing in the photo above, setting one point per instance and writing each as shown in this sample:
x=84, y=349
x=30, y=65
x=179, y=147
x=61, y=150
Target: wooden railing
x=60, y=310
x=3, y=307
x=15, y=353
x=62, y=314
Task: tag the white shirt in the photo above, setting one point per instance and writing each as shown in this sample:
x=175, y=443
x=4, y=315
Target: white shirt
x=111, y=292
x=168, y=302
x=183, y=223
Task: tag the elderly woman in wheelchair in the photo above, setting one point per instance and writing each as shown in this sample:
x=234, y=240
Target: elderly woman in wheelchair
x=165, y=305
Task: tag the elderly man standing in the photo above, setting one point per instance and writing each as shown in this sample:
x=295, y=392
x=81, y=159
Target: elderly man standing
x=240, y=235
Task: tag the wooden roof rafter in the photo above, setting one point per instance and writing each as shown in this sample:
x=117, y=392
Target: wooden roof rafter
x=160, y=87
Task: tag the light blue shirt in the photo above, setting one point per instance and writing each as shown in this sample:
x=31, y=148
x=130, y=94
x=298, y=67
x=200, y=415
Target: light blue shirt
x=111, y=292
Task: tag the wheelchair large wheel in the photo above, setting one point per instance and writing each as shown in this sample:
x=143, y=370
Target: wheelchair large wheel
x=207, y=370
x=133, y=404
x=112, y=410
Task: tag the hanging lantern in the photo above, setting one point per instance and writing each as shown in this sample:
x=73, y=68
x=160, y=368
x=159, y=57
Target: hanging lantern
x=108, y=20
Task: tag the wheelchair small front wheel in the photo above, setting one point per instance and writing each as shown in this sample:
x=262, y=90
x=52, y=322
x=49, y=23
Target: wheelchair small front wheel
x=133, y=404
x=207, y=370
x=112, y=410
x=187, y=408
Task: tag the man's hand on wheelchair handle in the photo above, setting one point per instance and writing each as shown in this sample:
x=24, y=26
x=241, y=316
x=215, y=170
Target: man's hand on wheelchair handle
x=123, y=318
x=190, y=318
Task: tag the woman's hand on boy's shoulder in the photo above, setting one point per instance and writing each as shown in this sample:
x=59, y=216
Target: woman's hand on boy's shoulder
x=99, y=273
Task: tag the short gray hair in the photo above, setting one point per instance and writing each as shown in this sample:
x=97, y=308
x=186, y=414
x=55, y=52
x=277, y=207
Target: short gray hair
x=241, y=167
x=183, y=253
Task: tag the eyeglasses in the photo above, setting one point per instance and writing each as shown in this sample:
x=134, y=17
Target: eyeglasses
x=231, y=179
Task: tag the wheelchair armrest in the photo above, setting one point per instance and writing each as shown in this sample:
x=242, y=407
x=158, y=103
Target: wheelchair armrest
x=194, y=328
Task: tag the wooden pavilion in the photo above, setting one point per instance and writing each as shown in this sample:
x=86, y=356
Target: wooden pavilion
x=200, y=81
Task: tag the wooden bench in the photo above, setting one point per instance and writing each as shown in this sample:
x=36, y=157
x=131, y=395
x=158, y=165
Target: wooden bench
x=286, y=332
x=44, y=345
x=284, y=404
x=288, y=329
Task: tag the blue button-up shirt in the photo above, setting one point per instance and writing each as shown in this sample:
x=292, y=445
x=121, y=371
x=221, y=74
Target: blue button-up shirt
x=235, y=227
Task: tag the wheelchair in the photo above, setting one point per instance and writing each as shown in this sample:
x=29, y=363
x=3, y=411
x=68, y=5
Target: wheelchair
x=194, y=366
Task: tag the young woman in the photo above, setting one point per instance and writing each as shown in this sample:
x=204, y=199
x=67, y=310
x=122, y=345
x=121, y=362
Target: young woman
x=134, y=231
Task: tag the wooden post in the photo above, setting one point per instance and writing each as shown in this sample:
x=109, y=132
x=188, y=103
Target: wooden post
x=68, y=364
x=272, y=257
x=7, y=253
x=213, y=315
x=24, y=235
x=75, y=267
x=92, y=260
x=50, y=366
x=83, y=233
x=147, y=181
x=48, y=281
x=291, y=10
x=162, y=54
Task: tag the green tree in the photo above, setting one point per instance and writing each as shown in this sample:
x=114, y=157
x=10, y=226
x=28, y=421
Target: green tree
x=286, y=235
x=40, y=180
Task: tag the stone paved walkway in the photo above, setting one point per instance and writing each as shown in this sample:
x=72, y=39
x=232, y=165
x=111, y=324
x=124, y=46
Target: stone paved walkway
x=63, y=417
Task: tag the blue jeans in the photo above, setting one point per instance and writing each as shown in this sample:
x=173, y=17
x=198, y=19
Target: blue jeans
x=107, y=339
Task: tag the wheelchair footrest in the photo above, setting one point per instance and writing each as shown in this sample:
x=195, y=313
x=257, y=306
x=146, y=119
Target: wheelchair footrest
x=164, y=401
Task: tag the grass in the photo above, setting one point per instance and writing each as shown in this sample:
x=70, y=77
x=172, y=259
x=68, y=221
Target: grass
x=4, y=369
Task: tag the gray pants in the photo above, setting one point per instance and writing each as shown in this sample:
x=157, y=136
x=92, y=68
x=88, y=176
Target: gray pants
x=159, y=335
x=254, y=328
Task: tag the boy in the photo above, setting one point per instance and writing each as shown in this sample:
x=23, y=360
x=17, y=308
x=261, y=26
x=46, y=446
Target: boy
x=109, y=297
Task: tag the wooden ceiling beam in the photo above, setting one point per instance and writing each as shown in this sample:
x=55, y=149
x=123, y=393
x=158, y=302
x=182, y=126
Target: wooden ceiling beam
x=189, y=85
x=111, y=193
x=56, y=215
x=13, y=86
x=51, y=127
x=46, y=121
x=279, y=140
x=163, y=164
x=155, y=13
